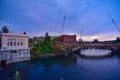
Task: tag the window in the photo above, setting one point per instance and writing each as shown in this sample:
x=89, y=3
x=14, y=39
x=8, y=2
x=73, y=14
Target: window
x=5, y=56
x=18, y=42
x=14, y=42
x=13, y=51
x=21, y=42
x=10, y=42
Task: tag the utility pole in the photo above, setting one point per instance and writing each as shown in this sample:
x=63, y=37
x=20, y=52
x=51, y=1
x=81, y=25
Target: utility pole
x=63, y=23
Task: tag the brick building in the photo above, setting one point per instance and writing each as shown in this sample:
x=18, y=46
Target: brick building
x=67, y=39
x=37, y=39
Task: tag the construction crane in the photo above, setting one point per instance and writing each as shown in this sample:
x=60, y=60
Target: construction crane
x=114, y=22
x=81, y=34
x=63, y=22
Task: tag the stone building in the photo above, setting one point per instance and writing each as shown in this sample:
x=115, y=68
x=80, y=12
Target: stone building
x=14, y=47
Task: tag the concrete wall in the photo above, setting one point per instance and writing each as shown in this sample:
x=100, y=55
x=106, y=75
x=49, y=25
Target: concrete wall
x=14, y=56
x=4, y=55
x=14, y=47
x=18, y=41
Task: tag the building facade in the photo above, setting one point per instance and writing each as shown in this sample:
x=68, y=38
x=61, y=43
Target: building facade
x=69, y=40
x=38, y=39
x=14, y=47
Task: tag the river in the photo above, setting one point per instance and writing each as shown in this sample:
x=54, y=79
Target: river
x=71, y=67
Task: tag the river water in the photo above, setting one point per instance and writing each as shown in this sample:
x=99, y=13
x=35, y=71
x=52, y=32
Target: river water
x=71, y=67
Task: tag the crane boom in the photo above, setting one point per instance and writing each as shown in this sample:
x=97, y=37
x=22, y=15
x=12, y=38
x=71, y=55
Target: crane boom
x=81, y=34
x=63, y=22
x=114, y=22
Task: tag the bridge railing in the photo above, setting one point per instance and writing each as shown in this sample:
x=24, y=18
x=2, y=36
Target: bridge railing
x=114, y=45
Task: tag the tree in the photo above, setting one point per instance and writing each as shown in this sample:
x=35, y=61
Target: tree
x=24, y=33
x=95, y=41
x=118, y=39
x=5, y=29
x=47, y=37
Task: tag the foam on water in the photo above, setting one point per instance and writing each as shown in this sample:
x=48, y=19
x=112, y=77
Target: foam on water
x=95, y=52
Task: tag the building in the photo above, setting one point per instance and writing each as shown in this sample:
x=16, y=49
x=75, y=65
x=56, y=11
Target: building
x=14, y=47
x=69, y=40
x=38, y=39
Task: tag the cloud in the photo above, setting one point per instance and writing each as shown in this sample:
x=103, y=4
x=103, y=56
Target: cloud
x=40, y=16
x=100, y=37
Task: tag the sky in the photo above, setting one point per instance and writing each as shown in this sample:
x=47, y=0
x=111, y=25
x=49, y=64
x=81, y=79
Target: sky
x=36, y=17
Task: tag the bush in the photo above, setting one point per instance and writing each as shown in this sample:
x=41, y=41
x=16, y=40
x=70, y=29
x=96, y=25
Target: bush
x=45, y=47
x=56, y=48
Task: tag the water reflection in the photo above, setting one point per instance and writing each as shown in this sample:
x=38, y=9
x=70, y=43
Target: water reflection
x=71, y=67
x=64, y=60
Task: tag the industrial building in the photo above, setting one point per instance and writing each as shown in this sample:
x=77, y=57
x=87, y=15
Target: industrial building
x=14, y=47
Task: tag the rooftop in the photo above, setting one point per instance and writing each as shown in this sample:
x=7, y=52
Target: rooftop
x=12, y=34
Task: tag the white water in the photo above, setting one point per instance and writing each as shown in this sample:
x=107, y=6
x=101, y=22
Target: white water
x=95, y=52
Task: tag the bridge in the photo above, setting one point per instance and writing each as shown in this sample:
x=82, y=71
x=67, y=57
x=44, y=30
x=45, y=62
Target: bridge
x=100, y=46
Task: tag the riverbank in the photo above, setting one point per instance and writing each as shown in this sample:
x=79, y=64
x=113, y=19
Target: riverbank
x=48, y=55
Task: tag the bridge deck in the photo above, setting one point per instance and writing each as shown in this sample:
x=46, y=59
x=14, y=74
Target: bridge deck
x=104, y=46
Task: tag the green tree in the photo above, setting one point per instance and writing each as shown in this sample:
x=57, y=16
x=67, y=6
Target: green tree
x=24, y=33
x=5, y=29
x=118, y=39
x=47, y=37
x=95, y=41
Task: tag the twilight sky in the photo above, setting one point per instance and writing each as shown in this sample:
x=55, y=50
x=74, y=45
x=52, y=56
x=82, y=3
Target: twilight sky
x=39, y=16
